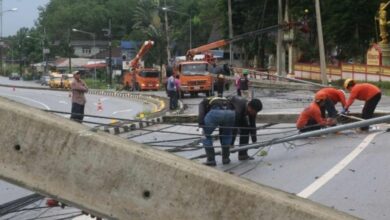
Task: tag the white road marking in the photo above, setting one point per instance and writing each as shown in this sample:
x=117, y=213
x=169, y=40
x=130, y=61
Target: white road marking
x=29, y=99
x=312, y=188
x=121, y=111
x=63, y=102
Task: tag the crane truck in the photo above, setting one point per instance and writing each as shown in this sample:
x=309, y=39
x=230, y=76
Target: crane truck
x=140, y=78
x=195, y=76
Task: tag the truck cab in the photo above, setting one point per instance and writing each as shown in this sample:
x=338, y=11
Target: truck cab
x=194, y=77
x=142, y=79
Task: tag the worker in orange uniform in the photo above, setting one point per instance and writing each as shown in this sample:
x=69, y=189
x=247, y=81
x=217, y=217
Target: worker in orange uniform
x=365, y=92
x=310, y=119
x=334, y=96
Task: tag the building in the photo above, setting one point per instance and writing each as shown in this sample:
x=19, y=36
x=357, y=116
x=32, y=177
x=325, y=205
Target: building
x=88, y=49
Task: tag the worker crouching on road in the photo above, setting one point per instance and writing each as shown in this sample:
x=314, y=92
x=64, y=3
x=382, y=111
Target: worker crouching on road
x=333, y=97
x=216, y=112
x=365, y=92
x=79, y=88
x=245, y=124
x=311, y=119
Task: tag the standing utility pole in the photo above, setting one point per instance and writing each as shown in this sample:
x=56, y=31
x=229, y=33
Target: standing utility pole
x=324, y=78
x=289, y=39
x=230, y=31
x=108, y=34
x=280, y=51
x=166, y=32
x=69, y=52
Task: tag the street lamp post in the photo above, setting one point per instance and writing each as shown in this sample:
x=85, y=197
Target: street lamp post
x=181, y=13
x=94, y=46
x=1, y=30
x=43, y=50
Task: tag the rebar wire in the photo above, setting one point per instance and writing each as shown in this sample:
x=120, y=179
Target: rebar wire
x=266, y=143
x=71, y=215
x=27, y=209
x=17, y=204
x=150, y=132
x=214, y=136
x=123, y=120
x=171, y=140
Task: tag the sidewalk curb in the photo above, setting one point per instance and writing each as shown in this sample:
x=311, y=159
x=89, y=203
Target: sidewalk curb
x=153, y=118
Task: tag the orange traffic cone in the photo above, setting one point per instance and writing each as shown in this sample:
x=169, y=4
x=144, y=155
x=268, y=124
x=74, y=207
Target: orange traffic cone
x=99, y=106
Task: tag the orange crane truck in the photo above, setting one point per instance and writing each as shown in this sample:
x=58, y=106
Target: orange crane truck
x=195, y=75
x=138, y=77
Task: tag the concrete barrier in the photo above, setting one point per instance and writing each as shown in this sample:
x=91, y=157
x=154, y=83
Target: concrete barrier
x=117, y=179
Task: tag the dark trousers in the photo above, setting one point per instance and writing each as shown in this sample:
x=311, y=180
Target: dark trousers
x=311, y=126
x=172, y=99
x=77, y=113
x=329, y=108
x=369, y=108
x=244, y=137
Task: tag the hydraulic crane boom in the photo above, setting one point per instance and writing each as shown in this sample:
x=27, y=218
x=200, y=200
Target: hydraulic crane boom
x=191, y=53
x=144, y=49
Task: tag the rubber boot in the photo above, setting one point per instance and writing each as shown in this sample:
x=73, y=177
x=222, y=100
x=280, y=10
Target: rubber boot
x=243, y=155
x=225, y=155
x=210, y=156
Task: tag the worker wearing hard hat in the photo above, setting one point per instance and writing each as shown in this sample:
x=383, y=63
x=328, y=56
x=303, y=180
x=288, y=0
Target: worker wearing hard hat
x=311, y=119
x=334, y=96
x=365, y=92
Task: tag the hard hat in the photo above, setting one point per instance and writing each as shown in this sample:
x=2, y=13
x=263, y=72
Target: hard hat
x=320, y=96
x=347, y=83
x=245, y=72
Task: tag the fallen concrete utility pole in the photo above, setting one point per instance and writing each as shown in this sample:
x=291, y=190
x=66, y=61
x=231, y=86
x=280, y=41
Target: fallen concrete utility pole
x=353, y=125
x=118, y=179
x=282, y=117
x=285, y=78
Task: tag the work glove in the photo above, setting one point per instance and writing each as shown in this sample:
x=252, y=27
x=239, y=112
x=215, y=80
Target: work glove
x=344, y=111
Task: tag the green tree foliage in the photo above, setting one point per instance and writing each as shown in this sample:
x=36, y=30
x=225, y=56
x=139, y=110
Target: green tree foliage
x=348, y=25
x=147, y=20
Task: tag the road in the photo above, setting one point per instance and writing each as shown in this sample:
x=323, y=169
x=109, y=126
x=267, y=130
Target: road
x=59, y=101
x=346, y=171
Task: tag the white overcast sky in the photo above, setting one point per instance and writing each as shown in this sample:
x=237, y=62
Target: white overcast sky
x=25, y=16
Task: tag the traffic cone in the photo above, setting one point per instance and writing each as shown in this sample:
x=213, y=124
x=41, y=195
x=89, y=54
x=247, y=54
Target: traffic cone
x=99, y=106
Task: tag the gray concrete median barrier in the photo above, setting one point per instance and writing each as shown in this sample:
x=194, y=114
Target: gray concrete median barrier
x=117, y=179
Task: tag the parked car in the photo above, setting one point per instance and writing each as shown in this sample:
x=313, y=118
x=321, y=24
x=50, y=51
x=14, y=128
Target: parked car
x=55, y=80
x=14, y=76
x=67, y=80
x=45, y=80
